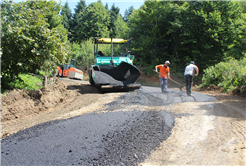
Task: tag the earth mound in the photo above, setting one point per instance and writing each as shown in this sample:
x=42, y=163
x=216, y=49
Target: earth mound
x=20, y=103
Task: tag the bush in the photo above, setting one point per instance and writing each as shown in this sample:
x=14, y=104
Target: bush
x=149, y=70
x=228, y=75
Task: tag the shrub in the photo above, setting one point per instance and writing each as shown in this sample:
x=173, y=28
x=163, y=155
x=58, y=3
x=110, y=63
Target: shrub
x=228, y=75
x=149, y=70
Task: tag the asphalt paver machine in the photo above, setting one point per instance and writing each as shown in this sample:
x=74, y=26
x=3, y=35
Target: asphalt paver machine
x=111, y=71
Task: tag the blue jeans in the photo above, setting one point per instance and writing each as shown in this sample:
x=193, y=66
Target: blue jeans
x=163, y=83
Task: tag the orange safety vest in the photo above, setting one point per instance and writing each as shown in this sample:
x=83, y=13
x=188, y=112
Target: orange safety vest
x=163, y=71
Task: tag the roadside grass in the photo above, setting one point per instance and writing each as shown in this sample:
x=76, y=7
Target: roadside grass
x=85, y=78
x=29, y=83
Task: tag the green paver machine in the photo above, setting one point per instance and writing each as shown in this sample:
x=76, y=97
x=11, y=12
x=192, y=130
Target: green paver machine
x=113, y=71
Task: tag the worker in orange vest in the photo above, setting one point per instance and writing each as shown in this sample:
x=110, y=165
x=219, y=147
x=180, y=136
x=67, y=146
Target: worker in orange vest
x=164, y=75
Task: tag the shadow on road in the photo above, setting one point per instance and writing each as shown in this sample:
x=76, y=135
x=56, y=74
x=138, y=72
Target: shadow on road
x=218, y=109
x=87, y=89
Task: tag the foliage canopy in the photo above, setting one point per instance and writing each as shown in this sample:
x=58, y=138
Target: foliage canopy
x=32, y=37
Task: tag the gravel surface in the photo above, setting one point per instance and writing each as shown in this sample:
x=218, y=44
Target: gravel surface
x=123, y=133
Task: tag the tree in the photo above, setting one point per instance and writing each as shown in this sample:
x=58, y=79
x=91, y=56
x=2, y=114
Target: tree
x=210, y=30
x=106, y=6
x=93, y=23
x=114, y=12
x=147, y=36
x=51, y=11
x=28, y=43
x=84, y=53
x=204, y=31
x=242, y=4
x=76, y=19
x=67, y=19
x=121, y=28
x=66, y=14
x=127, y=13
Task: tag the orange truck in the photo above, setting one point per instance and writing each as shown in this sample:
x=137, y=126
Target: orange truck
x=70, y=70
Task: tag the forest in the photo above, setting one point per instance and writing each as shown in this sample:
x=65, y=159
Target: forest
x=39, y=35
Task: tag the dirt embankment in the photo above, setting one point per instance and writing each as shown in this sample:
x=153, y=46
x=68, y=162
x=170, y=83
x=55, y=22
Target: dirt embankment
x=21, y=103
x=21, y=109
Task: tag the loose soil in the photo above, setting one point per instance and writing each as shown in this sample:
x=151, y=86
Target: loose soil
x=204, y=133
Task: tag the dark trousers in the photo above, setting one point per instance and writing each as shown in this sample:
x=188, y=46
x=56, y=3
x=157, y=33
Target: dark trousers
x=188, y=81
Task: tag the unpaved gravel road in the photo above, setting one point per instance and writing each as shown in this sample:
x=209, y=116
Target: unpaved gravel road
x=128, y=128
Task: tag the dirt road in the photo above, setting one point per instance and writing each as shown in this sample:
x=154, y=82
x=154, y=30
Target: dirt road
x=203, y=132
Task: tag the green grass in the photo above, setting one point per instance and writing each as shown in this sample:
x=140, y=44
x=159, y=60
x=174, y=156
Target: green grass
x=29, y=83
x=86, y=78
